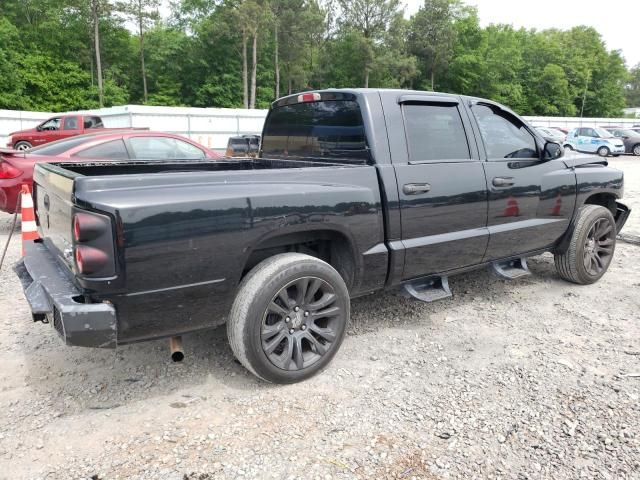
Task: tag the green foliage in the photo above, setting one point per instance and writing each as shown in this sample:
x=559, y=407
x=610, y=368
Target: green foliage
x=632, y=87
x=195, y=58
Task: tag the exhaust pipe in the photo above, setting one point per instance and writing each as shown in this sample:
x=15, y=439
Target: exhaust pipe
x=175, y=344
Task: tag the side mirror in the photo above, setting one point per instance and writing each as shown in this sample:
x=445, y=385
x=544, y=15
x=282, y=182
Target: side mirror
x=552, y=151
x=39, y=128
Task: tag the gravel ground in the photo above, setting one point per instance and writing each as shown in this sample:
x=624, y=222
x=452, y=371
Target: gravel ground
x=532, y=378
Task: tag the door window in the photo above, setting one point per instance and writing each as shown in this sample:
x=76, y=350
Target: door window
x=160, y=148
x=71, y=123
x=114, y=150
x=435, y=133
x=504, y=136
x=53, y=124
x=93, y=122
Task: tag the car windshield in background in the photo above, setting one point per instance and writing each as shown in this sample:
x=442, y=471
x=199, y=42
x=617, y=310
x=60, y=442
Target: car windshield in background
x=61, y=146
x=555, y=133
x=602, y=133
x=628, y=133
x=316, y=130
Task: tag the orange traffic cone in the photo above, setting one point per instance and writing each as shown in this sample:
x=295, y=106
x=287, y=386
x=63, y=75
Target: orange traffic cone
x=29, y=228
x=512, y=209
x=555, y=211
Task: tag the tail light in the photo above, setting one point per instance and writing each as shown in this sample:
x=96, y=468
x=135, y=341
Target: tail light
x=90, y=260
x=93, y=244
x=309, y=97
x=88, y=227
x=8, y=171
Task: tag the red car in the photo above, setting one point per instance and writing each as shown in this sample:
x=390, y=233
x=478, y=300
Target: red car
x=16, y=167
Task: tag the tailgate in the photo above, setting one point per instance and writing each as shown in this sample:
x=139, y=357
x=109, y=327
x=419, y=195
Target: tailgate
x=53, y=194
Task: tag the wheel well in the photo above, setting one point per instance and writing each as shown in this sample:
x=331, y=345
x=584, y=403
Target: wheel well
x=606, y=200
x=331, y=246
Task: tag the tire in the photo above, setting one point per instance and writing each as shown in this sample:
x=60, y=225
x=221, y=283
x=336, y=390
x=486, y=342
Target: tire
x=636, y=149
x=604, y=151
x=568, y=146
x=271, y=308
x=22, y=146
x=571, y=265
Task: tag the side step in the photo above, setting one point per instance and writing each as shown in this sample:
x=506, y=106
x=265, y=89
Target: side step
x=511, y=269
x=428, y=289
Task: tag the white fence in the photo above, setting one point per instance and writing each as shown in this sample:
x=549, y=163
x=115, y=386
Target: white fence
x=213, y=126
x=209, y=126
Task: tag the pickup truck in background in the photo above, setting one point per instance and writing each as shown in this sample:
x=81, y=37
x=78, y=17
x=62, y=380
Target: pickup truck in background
x=353, y=191
x=55, y=128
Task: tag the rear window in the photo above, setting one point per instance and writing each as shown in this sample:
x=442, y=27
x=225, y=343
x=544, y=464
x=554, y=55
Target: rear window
x=61, y=146
x=326, y=130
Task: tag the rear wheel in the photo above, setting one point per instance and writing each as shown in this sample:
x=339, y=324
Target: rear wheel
x=593, y=242
x=604, y=151
x=636, y=149
x=568, y=146
x=289, y=318
x=22, y=146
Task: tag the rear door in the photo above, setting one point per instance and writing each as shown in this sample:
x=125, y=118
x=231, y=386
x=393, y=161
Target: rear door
x=530, y=201
x=70, y=126
x=441, y=183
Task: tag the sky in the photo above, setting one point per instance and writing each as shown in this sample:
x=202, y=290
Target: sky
x=616, y=20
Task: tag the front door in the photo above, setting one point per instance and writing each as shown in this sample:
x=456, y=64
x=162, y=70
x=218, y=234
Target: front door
x=442, y=188
x=530, y=201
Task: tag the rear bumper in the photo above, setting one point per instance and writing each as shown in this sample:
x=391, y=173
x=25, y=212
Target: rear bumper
x=54, y=298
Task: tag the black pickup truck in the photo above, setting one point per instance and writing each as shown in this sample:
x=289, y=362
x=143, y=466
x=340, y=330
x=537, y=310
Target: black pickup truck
x=353, y=191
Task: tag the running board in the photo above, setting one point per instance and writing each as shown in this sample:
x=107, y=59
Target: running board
x=427, y=290
x=511, y=269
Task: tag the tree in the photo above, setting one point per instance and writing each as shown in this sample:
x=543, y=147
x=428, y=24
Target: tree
x=432, y=35
x=96, y=10
x=370, y=19
x=144, y=12
x=632, y=87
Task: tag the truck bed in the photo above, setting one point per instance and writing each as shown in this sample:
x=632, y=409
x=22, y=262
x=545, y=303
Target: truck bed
x=93, y=169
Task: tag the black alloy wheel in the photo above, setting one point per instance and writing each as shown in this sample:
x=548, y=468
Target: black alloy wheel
x=598, y=246
x=301, y=323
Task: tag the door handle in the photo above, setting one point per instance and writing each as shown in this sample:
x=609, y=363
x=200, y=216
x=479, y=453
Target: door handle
x=415, y=188
x=503, y=182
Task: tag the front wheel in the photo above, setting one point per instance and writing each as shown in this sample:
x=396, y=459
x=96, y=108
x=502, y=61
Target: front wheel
x=591, y=248
x=289, y=317
x=636, y=149
x=22, y=146
x=566, y=145
x=604, y=151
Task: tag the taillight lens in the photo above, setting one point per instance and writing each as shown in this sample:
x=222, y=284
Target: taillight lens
x=309, y=97
x=8, y=171
x=87, y=227
x=90, y=260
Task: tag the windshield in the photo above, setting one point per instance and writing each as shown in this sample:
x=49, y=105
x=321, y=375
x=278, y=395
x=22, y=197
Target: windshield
x=555, y=132
x=628, y=133
x=602, y=133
